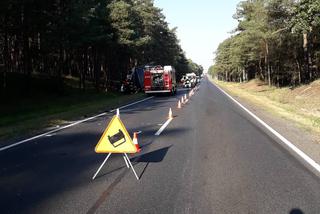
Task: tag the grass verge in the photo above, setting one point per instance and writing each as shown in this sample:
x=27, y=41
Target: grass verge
x=300, y=105
x=29, y=116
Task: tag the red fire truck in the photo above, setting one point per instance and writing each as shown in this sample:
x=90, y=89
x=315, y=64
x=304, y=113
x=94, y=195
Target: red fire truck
x=160, y=79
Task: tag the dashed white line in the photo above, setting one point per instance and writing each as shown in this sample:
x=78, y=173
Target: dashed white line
x=304, y=156
x=48, y=133
x=131, y=104
x=163, y=127
x=68, y=126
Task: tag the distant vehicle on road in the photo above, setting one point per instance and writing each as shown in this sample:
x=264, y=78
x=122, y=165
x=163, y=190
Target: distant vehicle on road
x=189, y=80
x=183, y=79
x=198, y=79
x=187, y=83
x=134, y=81
x=160, y=79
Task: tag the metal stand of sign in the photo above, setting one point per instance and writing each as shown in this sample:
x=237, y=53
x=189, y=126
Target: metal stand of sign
x=131, y=166
x=126, y=159
x=105, y=160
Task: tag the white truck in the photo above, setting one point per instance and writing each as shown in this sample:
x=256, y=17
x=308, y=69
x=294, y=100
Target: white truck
x=190, y=80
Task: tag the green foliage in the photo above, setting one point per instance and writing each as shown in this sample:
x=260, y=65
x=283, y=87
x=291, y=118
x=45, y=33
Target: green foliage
x=194, y=67
x=93, y=40
x=268, y=43
x=306, y=15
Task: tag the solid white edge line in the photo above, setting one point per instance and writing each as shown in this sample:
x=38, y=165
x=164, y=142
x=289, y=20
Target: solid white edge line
x=163, y=127
x=68, y=126
x=131, y=104
x=304, y=156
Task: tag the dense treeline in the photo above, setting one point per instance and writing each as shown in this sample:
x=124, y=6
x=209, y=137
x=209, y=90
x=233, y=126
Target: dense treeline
x=277, y=41
x=95, y=41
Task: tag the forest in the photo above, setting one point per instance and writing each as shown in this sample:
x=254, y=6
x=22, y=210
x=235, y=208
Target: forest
x=276, y=41
x=92, y=42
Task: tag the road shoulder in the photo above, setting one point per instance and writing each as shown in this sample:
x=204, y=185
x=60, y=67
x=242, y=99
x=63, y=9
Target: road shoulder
x=305, y=140
x=42, y=126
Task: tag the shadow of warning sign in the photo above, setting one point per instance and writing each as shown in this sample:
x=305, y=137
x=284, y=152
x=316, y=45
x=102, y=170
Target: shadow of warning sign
x=153, y=157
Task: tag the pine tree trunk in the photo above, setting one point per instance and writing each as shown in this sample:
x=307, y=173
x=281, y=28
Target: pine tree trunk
x=97, y=69
x=244, y=75
x=84, y=68
x=267, y=63
x=298, y=68
x=6, y=60
x=60, y=69
x=25, y=48
x=310, y=61
x=260, y=69
x=305, y=49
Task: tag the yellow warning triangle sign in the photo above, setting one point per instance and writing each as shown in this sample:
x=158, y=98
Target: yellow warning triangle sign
x=115, y=139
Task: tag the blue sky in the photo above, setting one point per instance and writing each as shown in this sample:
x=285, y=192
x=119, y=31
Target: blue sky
x=202, y=25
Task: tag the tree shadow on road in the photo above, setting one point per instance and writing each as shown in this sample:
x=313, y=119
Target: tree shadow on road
x=151, y=157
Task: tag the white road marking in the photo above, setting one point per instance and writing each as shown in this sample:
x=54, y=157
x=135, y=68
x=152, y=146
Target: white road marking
x=304, y=156
x=131, y=104
x=68, y=126
x=163, y=127
x=183, y=89
x=50, y=132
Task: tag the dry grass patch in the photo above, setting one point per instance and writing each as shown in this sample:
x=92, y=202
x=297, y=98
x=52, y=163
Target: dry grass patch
x=301, y=104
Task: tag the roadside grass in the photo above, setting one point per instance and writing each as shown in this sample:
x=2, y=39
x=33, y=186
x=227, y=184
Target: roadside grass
x=301, y=104
x=30, y=115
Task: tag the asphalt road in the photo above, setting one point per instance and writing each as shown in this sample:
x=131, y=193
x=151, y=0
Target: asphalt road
x=212, y=158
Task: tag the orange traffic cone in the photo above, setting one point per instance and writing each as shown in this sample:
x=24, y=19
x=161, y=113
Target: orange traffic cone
x=179, y=104
x=185, y=98
x=170, y=114
x=182, y=100
x=135, y=141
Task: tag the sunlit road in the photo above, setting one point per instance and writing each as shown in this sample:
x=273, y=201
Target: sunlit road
x=212, y=158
